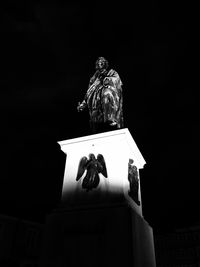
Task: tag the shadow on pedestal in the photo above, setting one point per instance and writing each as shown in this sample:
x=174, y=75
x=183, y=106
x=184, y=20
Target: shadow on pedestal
x=100, y=235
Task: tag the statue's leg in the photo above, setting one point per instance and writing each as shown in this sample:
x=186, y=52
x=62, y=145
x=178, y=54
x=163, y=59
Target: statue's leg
x=109, y=108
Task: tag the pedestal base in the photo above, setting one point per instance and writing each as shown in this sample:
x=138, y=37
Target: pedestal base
x=104, y=235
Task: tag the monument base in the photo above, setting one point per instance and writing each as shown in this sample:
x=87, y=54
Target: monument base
x=103, y=235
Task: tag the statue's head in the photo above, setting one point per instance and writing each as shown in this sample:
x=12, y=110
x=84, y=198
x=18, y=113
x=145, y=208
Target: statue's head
x=101, y=63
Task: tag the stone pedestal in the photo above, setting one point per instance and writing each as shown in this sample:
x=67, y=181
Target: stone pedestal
x=100, y=236
x=120, y=153
x=100, y=221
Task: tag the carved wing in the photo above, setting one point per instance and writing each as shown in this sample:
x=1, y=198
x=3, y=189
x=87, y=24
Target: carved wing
x=81, y=167
x=102, y=167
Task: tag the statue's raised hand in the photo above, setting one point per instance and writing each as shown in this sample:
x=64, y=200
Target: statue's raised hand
x=81, y=106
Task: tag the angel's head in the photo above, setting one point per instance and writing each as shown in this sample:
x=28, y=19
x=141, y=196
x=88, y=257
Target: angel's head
x=131, y=161
x=91, y=156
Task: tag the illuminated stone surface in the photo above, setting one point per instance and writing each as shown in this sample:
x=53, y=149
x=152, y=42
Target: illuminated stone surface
x=99, y=225
x=117, y=147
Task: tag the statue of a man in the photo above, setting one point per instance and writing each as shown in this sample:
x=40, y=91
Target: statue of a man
x=104, y=98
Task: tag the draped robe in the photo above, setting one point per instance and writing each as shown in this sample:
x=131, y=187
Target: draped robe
x=104, y=98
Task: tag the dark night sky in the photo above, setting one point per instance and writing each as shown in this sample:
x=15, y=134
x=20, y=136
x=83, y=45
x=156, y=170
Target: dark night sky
x=47, y=56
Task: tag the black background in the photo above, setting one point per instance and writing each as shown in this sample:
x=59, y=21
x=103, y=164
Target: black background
x=48, y=53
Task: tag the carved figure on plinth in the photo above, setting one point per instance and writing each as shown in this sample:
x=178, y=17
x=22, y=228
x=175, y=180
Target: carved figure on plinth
x=104, y=98
x=93, y=166
x=133, y=178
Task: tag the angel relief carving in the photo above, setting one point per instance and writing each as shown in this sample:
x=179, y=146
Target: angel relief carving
x=133, y=178
x=93, y=167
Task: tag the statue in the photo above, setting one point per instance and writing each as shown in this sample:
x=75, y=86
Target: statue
x=104, y=98
x=93, y=166
x=133, y=178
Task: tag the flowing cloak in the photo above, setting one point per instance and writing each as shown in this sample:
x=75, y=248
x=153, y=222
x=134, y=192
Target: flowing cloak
x=104, y=98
